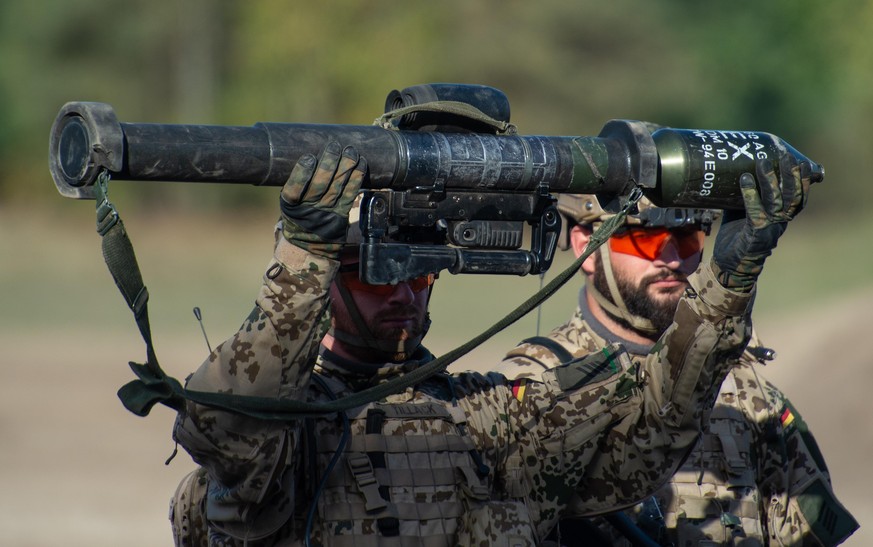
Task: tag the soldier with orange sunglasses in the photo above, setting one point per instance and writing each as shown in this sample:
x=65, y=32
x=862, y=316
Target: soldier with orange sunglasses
x=755, y=474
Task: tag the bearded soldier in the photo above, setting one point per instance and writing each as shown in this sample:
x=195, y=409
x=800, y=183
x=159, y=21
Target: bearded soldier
x=756, y=476
x=466, y=459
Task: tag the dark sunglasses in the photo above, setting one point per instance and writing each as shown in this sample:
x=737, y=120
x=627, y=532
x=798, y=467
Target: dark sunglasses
x=349, y=273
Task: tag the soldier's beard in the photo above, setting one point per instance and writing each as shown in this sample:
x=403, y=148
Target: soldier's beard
x=394, y=343
x=639, y=299
x=394, y=333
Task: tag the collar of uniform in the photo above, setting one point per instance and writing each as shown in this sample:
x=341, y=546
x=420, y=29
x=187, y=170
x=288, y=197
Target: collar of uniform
x=600, y=329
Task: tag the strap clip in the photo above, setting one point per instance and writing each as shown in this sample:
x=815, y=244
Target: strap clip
x=365, y=477
x=107, y=215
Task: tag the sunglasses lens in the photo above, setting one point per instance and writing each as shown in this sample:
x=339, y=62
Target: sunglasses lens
x=689, y=243
x=649, y=243
x=421, y=283
x=640, y=243
x=353, y=283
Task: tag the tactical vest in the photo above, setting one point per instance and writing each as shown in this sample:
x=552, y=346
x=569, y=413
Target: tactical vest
x=408, y=475
x=713, y=498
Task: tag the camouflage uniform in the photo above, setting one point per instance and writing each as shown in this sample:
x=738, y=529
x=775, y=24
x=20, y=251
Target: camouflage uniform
x=755, y=477
x=468, y=459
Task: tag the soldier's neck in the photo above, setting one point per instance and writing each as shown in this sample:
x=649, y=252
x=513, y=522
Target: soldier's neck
x=353, y=353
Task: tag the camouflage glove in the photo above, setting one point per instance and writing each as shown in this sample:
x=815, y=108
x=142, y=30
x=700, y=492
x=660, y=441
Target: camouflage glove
x=317, y=197
x=745, y=240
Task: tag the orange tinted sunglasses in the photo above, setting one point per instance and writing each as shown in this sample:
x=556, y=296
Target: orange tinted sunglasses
x=349, y=273
x=649, y=243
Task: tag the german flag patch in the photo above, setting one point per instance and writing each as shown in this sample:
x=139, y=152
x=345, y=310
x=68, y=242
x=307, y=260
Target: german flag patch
x=793, y=424
x=787, y=417
x=790, y=419
x=518, y=388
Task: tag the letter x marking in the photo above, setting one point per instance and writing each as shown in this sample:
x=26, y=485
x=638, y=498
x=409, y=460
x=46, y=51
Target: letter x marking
x=741, y=151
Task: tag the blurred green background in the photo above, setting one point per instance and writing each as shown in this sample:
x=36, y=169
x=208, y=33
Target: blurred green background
x=796, y=68
x=800, y=69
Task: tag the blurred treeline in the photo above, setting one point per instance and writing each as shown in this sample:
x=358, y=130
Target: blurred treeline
x=798, y=68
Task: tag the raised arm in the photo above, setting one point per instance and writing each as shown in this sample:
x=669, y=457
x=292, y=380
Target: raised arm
x=251, y=462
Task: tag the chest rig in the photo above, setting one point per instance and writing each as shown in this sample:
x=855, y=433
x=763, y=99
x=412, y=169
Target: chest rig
x=713, y=499
x=405, y=472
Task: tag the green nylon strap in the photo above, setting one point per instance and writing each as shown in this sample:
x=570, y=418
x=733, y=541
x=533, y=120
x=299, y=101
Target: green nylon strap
x=154, y=386
x=121, y=262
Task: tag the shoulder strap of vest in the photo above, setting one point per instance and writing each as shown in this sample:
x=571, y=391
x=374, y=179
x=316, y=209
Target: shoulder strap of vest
x=558, y=350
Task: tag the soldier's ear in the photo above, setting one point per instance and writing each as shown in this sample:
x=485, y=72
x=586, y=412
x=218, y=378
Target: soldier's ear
x=579, y=237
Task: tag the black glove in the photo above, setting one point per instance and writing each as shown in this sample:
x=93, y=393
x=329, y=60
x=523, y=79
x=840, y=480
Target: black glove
x=318, y=196
x=745, y=240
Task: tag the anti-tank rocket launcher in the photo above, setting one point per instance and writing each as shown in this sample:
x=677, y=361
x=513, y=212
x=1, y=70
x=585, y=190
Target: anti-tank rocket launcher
x=451, y=184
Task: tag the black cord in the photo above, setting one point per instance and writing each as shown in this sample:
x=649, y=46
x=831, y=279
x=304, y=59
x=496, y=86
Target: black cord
x=347, y=430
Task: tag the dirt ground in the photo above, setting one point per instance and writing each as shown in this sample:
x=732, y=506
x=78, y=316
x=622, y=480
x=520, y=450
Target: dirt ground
x=79, y=470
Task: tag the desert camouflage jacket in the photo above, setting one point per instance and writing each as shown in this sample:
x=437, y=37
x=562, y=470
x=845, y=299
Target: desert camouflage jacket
x=505, y=457
x=755, y=477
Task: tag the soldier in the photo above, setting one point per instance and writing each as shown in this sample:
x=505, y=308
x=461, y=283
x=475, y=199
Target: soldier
x=465, y=459
x=756, y=476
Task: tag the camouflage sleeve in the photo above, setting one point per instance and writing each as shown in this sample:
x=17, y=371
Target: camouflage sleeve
x=611, y=431
x=270, y=356
x=800, y=505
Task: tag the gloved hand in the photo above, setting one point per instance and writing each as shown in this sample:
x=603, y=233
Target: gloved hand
x=317, y=198
x=745, y=240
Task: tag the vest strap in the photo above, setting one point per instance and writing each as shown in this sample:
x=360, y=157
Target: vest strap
x=398, y=444
x=362, y=471
x=734, y=461
x=444, y=510
x=440, y=476
x=563, y=354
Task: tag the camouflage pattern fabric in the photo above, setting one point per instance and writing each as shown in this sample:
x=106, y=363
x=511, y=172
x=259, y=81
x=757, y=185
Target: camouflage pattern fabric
x=750, y=478
x=605, y=430
x=187, y=507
